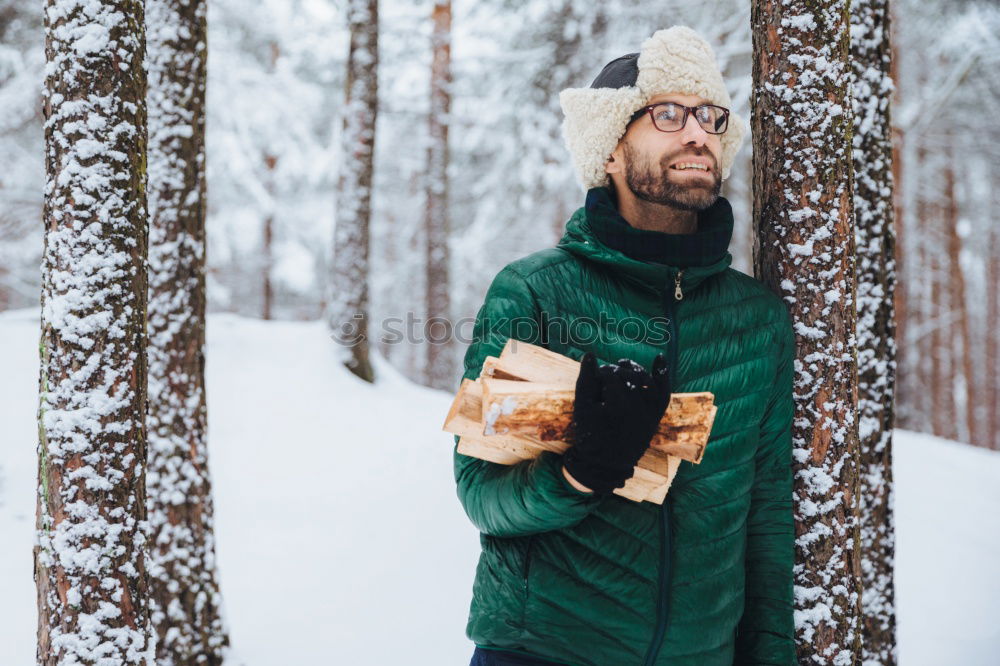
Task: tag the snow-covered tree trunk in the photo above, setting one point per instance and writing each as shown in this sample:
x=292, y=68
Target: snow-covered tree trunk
x=90, y=555
x=876, y=282
x=185, y=602
x=439, y=341
x=349, y=304
x=803, y=208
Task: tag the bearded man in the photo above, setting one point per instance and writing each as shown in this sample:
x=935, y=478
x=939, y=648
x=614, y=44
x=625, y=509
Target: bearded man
x=571, y=573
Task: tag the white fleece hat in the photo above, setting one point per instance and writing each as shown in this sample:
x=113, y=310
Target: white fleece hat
x=674, y=60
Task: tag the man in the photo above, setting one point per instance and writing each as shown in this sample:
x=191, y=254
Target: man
x=569, y=572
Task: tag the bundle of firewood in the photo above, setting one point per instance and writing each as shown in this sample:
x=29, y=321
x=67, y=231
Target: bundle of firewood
x=522, y=404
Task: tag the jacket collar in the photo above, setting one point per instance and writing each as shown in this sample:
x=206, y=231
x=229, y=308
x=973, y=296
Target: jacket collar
x=597, y=232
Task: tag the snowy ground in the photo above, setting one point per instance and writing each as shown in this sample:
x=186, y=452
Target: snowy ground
x=341, y=541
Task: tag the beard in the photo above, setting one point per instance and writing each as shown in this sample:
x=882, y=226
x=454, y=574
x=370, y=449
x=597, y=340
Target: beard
x=660, y=189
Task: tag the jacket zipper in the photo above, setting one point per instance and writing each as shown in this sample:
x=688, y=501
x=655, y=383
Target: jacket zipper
x=663, y=600
x=527, y=569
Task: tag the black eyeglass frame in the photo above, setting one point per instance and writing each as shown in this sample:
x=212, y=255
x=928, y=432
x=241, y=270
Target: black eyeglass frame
x=687, y=110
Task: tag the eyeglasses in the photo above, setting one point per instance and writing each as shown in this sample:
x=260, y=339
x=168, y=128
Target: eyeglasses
x=667, y=116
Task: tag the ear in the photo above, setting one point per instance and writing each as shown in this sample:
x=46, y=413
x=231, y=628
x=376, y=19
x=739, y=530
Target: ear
x=615, y=161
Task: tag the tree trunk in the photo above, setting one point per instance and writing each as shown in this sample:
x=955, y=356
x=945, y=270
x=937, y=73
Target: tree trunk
x=922, y=277
x=184, y=592
x=267, y=249
x=992, y=334
x=959, y=305
x=941, y=395
x=267, y=246
x=268, y=261
x=901, y=287
x=804, y=251
x=349, y=307
x=439, y=338
x=4, y=298
x=945, y=318
x=876, y=276
x=90, y=556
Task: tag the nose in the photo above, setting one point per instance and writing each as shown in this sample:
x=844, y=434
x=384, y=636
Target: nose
x=693, y=132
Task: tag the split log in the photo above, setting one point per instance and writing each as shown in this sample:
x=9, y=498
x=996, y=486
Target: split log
x=546, y=410
x=491, y=369
x=660, y=493
x=532, y=363
x=465, y=419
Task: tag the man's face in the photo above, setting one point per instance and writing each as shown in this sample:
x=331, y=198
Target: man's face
x=652, y=163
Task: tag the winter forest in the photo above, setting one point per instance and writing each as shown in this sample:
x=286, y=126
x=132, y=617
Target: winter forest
x=242, y=250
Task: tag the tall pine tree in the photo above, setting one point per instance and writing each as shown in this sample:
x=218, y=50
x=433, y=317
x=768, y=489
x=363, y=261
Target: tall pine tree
x=184, y=593
x=801, y=118
x=876, y=285
x=439, y=339
x=350, y=306
x=90, y=557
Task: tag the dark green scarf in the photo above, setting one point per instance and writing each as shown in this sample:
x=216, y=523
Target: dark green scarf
x=704, y=247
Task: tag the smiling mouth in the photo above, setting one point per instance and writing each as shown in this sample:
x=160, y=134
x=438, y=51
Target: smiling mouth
x=697, y=173
x=689, y=167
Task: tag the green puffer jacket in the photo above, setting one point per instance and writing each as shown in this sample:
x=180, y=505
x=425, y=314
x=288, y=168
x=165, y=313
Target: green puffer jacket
x=706, y=578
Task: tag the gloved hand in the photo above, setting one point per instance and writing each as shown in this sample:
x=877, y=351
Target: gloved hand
x=616, y=412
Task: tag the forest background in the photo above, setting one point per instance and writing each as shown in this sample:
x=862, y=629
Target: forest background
x=276, y=80
x=277, y=160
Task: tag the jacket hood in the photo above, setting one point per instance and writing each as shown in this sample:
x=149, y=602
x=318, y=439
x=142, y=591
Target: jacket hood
x=597, y=232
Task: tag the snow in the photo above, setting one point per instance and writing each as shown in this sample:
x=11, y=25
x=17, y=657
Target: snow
x=947, y=538
x=494, y=412
x=341, y=540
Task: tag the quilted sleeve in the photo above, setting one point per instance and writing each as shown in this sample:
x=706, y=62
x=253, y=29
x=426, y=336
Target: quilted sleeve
x=533, y=495
x=766, y=633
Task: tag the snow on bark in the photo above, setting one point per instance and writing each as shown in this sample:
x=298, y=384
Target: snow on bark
x=349, y=306
x=90, y=553
x=872, y=89
x=185, y=601
x=805, y=251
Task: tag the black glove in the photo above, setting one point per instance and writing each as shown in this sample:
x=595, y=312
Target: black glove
x=616, y=412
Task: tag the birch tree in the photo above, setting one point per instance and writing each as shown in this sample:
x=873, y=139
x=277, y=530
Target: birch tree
x=801, y=120
x=185, y=601
x=349, y=308
x=876, y=284
x=439, y=342
x=90, y=555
